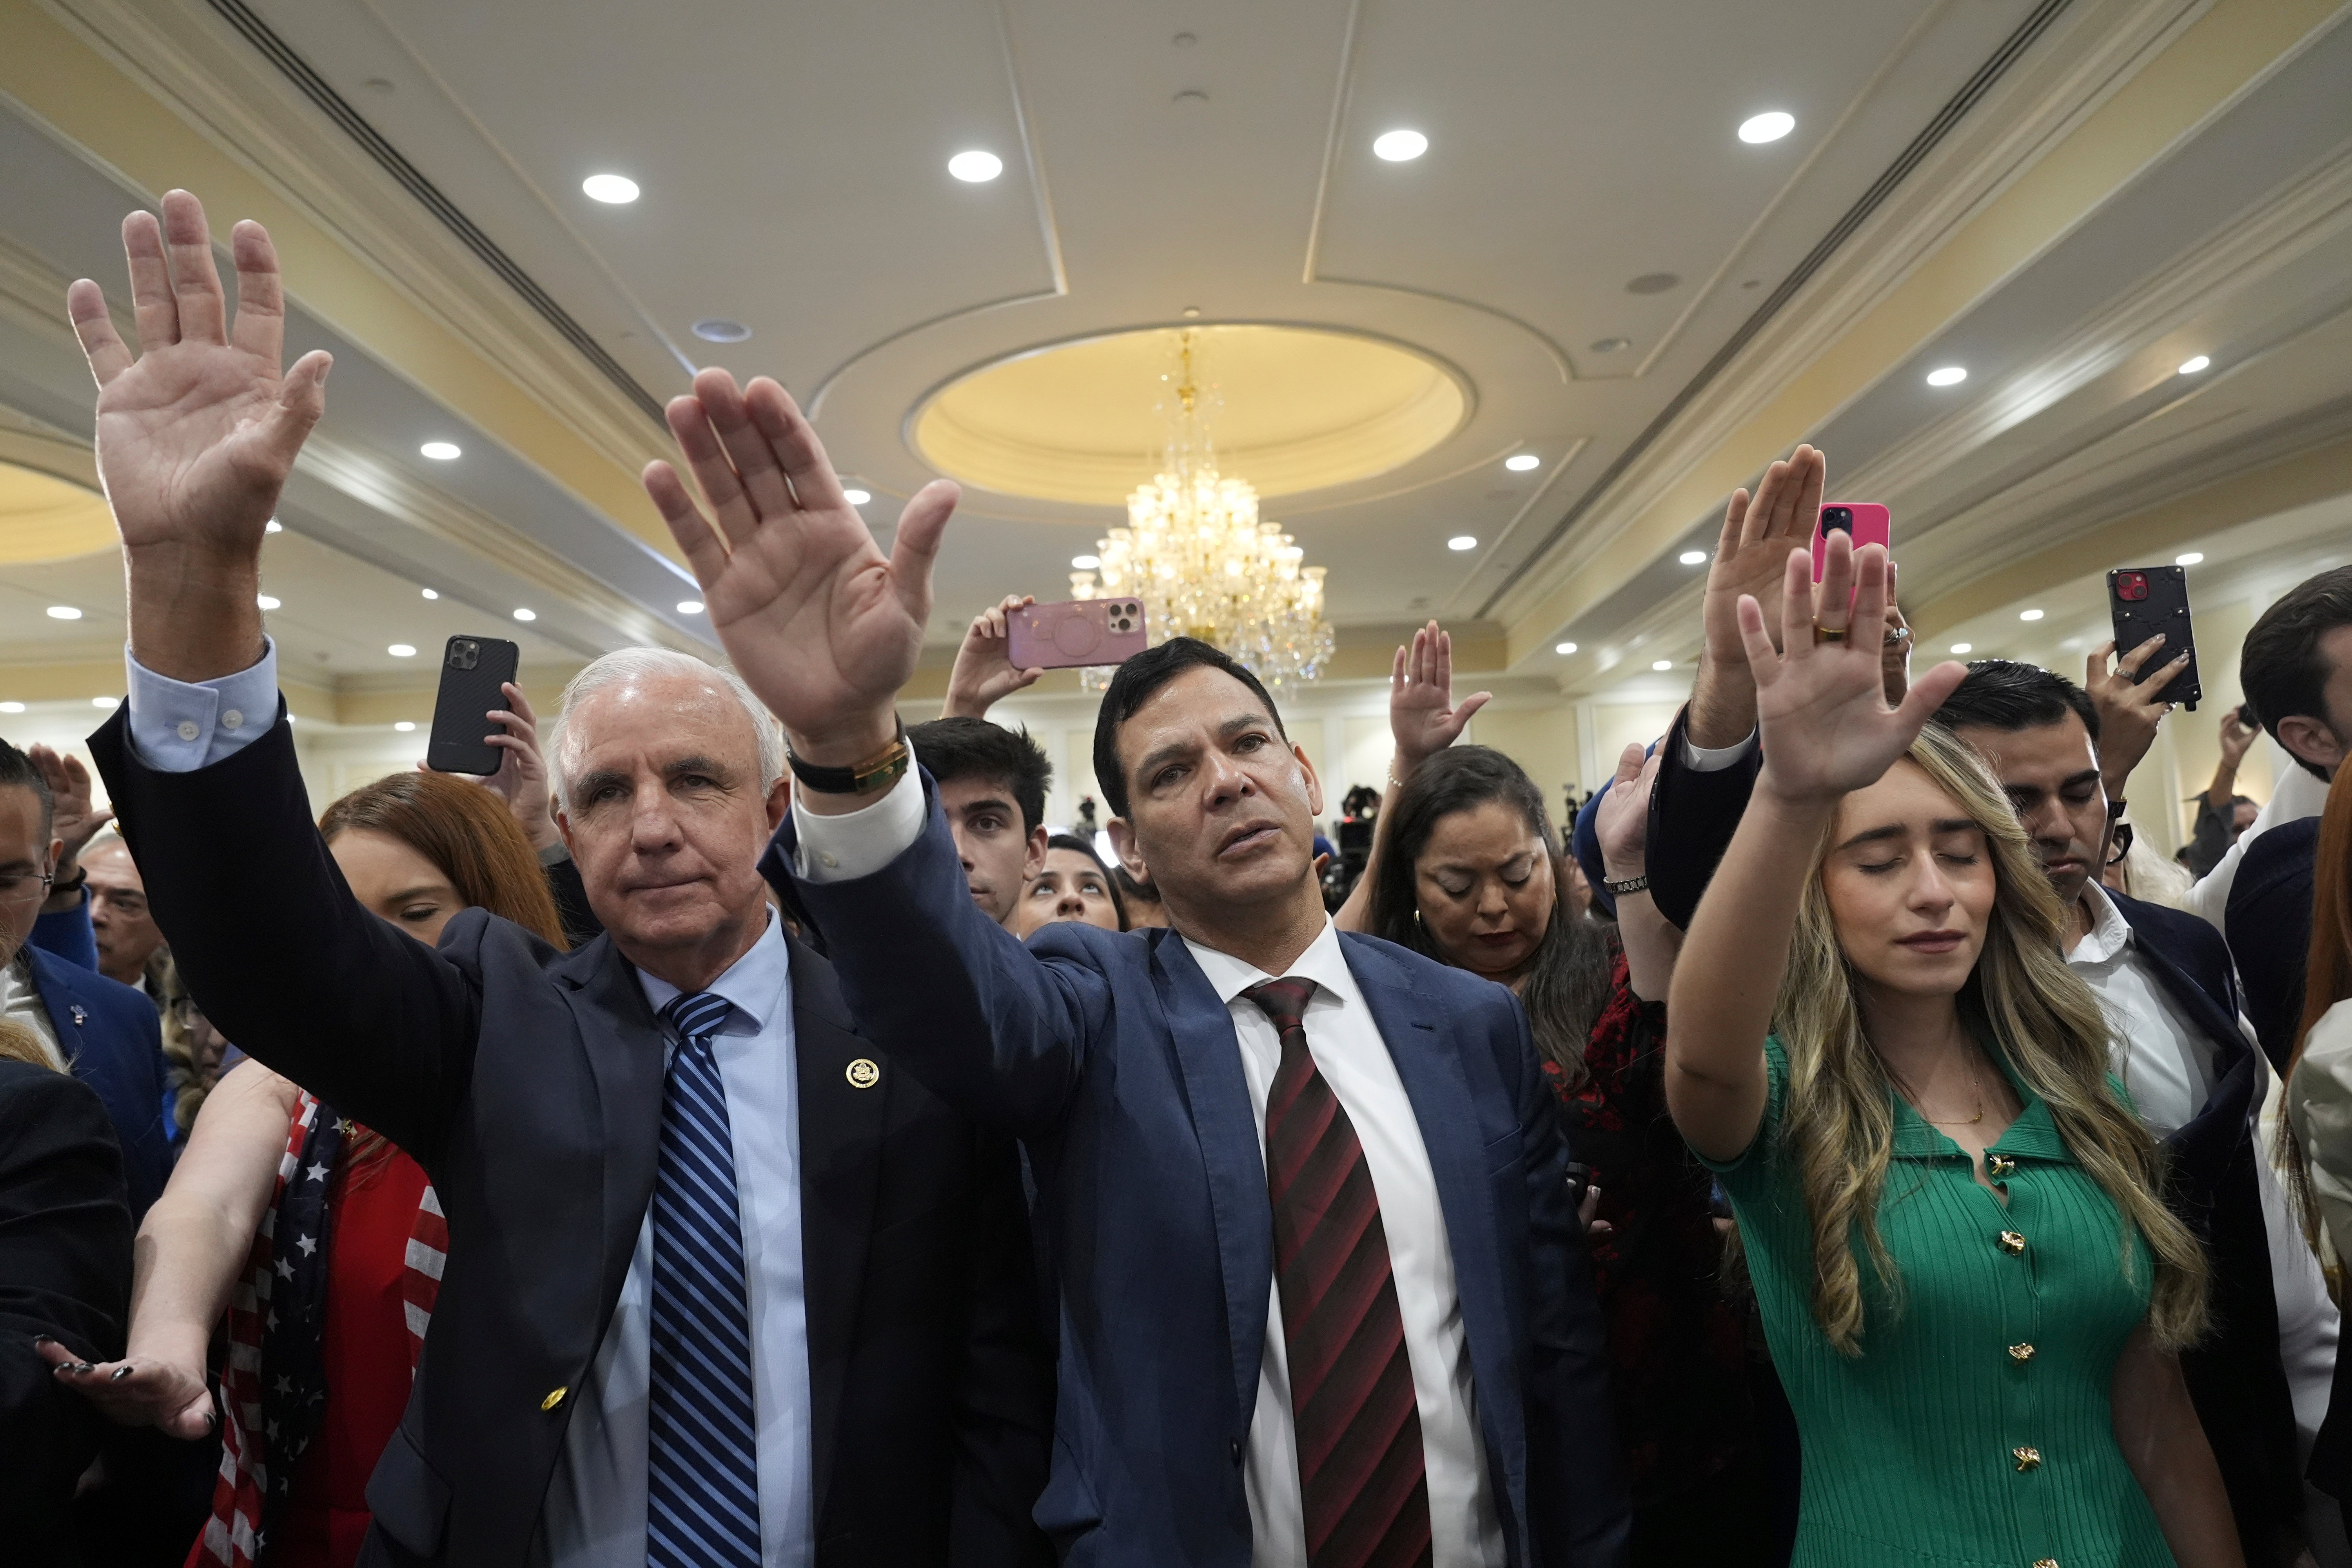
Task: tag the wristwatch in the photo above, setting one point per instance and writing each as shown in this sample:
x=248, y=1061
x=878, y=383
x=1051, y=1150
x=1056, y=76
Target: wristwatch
x=1640, y=884
x=80, y=881
x=871, y=777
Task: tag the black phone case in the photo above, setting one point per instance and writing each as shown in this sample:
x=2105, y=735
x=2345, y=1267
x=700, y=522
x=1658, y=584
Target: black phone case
x=2164, y=612
x=472, y=670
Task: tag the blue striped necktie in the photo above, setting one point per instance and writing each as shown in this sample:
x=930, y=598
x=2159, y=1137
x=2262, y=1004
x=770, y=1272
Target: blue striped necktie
x=702, y=1494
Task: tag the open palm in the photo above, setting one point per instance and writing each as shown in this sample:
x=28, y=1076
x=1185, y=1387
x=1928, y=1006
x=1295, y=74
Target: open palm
x=198, y=433
x=1422, y=716
x=1822, y=705
x=823, y=626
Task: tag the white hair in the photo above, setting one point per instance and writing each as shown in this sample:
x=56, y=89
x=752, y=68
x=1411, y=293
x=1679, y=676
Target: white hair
x=634, y=664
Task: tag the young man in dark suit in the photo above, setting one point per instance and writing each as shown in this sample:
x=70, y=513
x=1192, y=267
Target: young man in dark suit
x=1322, y=1284
x=723, y=1285
x=104, y=1034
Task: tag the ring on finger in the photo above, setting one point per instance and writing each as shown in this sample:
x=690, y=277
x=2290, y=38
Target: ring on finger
x=1822, y=634
x=1895, y=635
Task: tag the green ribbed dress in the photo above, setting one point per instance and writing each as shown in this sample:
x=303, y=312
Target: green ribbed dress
x=1974, y=1428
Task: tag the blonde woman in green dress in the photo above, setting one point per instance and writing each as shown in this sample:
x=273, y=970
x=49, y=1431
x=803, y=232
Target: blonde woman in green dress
x=1969, y=1287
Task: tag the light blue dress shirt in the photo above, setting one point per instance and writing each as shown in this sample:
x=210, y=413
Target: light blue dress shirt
x=594, y=1514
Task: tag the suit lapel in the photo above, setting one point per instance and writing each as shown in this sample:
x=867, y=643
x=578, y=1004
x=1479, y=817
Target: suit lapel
x=626, y=1058
x=842, y=1129
x=1209, y=1062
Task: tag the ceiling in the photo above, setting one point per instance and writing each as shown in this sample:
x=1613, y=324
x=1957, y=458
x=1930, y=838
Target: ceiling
x=2069, y=198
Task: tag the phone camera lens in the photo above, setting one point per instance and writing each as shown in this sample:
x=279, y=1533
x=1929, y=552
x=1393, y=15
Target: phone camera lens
x=1837, y=519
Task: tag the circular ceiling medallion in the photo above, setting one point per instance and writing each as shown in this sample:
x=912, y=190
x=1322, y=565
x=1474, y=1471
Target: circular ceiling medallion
x=44, y=518
x=1288, y=408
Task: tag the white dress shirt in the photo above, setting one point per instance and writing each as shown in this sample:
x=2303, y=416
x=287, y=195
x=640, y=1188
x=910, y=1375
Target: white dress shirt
x=594, y=1513
x=2164, y=1060
x=1465, y=1527
x=20, y=1003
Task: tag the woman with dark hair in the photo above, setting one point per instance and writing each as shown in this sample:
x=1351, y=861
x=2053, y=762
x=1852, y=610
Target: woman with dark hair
x=339, y=1231
x=1466, y=869
x=1075, y=886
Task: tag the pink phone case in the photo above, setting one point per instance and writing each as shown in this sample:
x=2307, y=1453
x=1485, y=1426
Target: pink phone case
x=1075, y=633
x=1866, y=522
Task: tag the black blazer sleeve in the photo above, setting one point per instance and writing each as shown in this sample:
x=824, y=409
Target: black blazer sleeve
x=282, y=958
x=580, y=923
x=1004, y=1403
x=1693, y=816
x=1576, y=1493
x=65, y=1273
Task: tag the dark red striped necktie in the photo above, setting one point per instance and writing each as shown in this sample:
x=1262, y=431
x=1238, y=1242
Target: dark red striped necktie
x=1360, y=1474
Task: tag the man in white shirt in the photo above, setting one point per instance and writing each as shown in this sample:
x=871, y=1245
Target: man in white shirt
x=1322, y=1291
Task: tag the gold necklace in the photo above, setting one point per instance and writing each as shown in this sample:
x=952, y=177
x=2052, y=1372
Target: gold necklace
x=1975, y=1082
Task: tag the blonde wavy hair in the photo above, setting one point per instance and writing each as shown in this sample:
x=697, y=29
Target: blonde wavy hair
x=1839, y=1126
x=19, y=1043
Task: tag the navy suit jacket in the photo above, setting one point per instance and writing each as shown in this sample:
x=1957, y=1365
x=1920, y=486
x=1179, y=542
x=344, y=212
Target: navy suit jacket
x=2270, y=909
x=113, y=1042
x=1112, y=1056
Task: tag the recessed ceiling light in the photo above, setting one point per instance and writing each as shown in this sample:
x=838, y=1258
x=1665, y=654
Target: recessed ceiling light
x=975, y=167
x=267, y=601
x=1399, y=146
x=526, y=614
x=1964, y=647
x=1610, y=345
x=2188, y=558
x=689, y=606
x=1662, y=665
x=1768, y=126
x=1086, y=562
x=64, y=613
x=719, y=330
x=1949, y=375
x=1693, y=558
x=442, y=451
x=402, y=650
x=2191, y=366
x=405, y=725
x=429, y=593
x=613, y=190
x=105, y=701
x=1653, y=283
x=273, y=526
x=1563, y=648
x=1463, y=542
x=11, y=708
x=857, y=497
x=1520, y=462
x=2029, y=615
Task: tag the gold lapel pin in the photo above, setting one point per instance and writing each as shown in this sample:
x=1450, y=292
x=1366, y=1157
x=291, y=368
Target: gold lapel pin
x=863, y=1074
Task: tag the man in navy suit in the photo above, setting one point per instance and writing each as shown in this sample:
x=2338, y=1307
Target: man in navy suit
x=105, y=1033
x=1322, y=1291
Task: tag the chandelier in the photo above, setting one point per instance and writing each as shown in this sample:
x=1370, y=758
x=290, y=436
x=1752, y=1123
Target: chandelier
x=1196, y=554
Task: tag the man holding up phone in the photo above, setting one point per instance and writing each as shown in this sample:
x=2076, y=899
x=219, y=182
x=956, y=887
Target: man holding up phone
x=1172, y=1087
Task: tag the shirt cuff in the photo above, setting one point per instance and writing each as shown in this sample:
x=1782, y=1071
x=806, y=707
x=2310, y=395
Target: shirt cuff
x=1715, y=759
x=858, y=843
x=177, y=728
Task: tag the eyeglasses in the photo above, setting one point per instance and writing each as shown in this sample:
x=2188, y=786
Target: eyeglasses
x=2120, y=844
x=24, y=884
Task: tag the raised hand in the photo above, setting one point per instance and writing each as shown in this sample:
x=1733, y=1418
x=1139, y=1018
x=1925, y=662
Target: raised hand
x=2237, y=739
x=1422, y=715
x=823, y=625
x=984, y=673
x=1758, y=532
x=75, y=817
x=2129, y=708
x=521, y=779
x=1820, y=699
x=1622, y=821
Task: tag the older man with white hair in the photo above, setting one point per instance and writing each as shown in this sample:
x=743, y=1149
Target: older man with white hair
x=723, y=1286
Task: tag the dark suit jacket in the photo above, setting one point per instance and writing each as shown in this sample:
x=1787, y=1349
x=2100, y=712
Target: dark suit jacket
x=2269, y=916
x=1112, y=1057
x=113, y=1042
x=65, y=1273
x=529, y=1085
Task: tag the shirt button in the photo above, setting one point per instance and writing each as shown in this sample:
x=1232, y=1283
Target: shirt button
x=2027, y=1459
x=232, y=718
x=828, y=861
x=188, y=731
x=2020, y=1352
x=1237, y=1450
x=2001, y=1165
x=554, y=1398
x=2012, y=1242
x=2045, y=1563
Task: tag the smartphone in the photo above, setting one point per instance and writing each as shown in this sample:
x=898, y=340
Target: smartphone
x=472, y=670
x=1576, y=1177
x=1865, y=522
x=2153, y=601
x=1075, y=633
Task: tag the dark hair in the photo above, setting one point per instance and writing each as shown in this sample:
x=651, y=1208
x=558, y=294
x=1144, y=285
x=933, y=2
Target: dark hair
x=1568, y=975
x=17, y=771
x=1130, y=890
x=975, y=749
x=1110, y=880
x=2006, y=694
x=1137, y=678
x=2280, y=667
x=469, y=835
